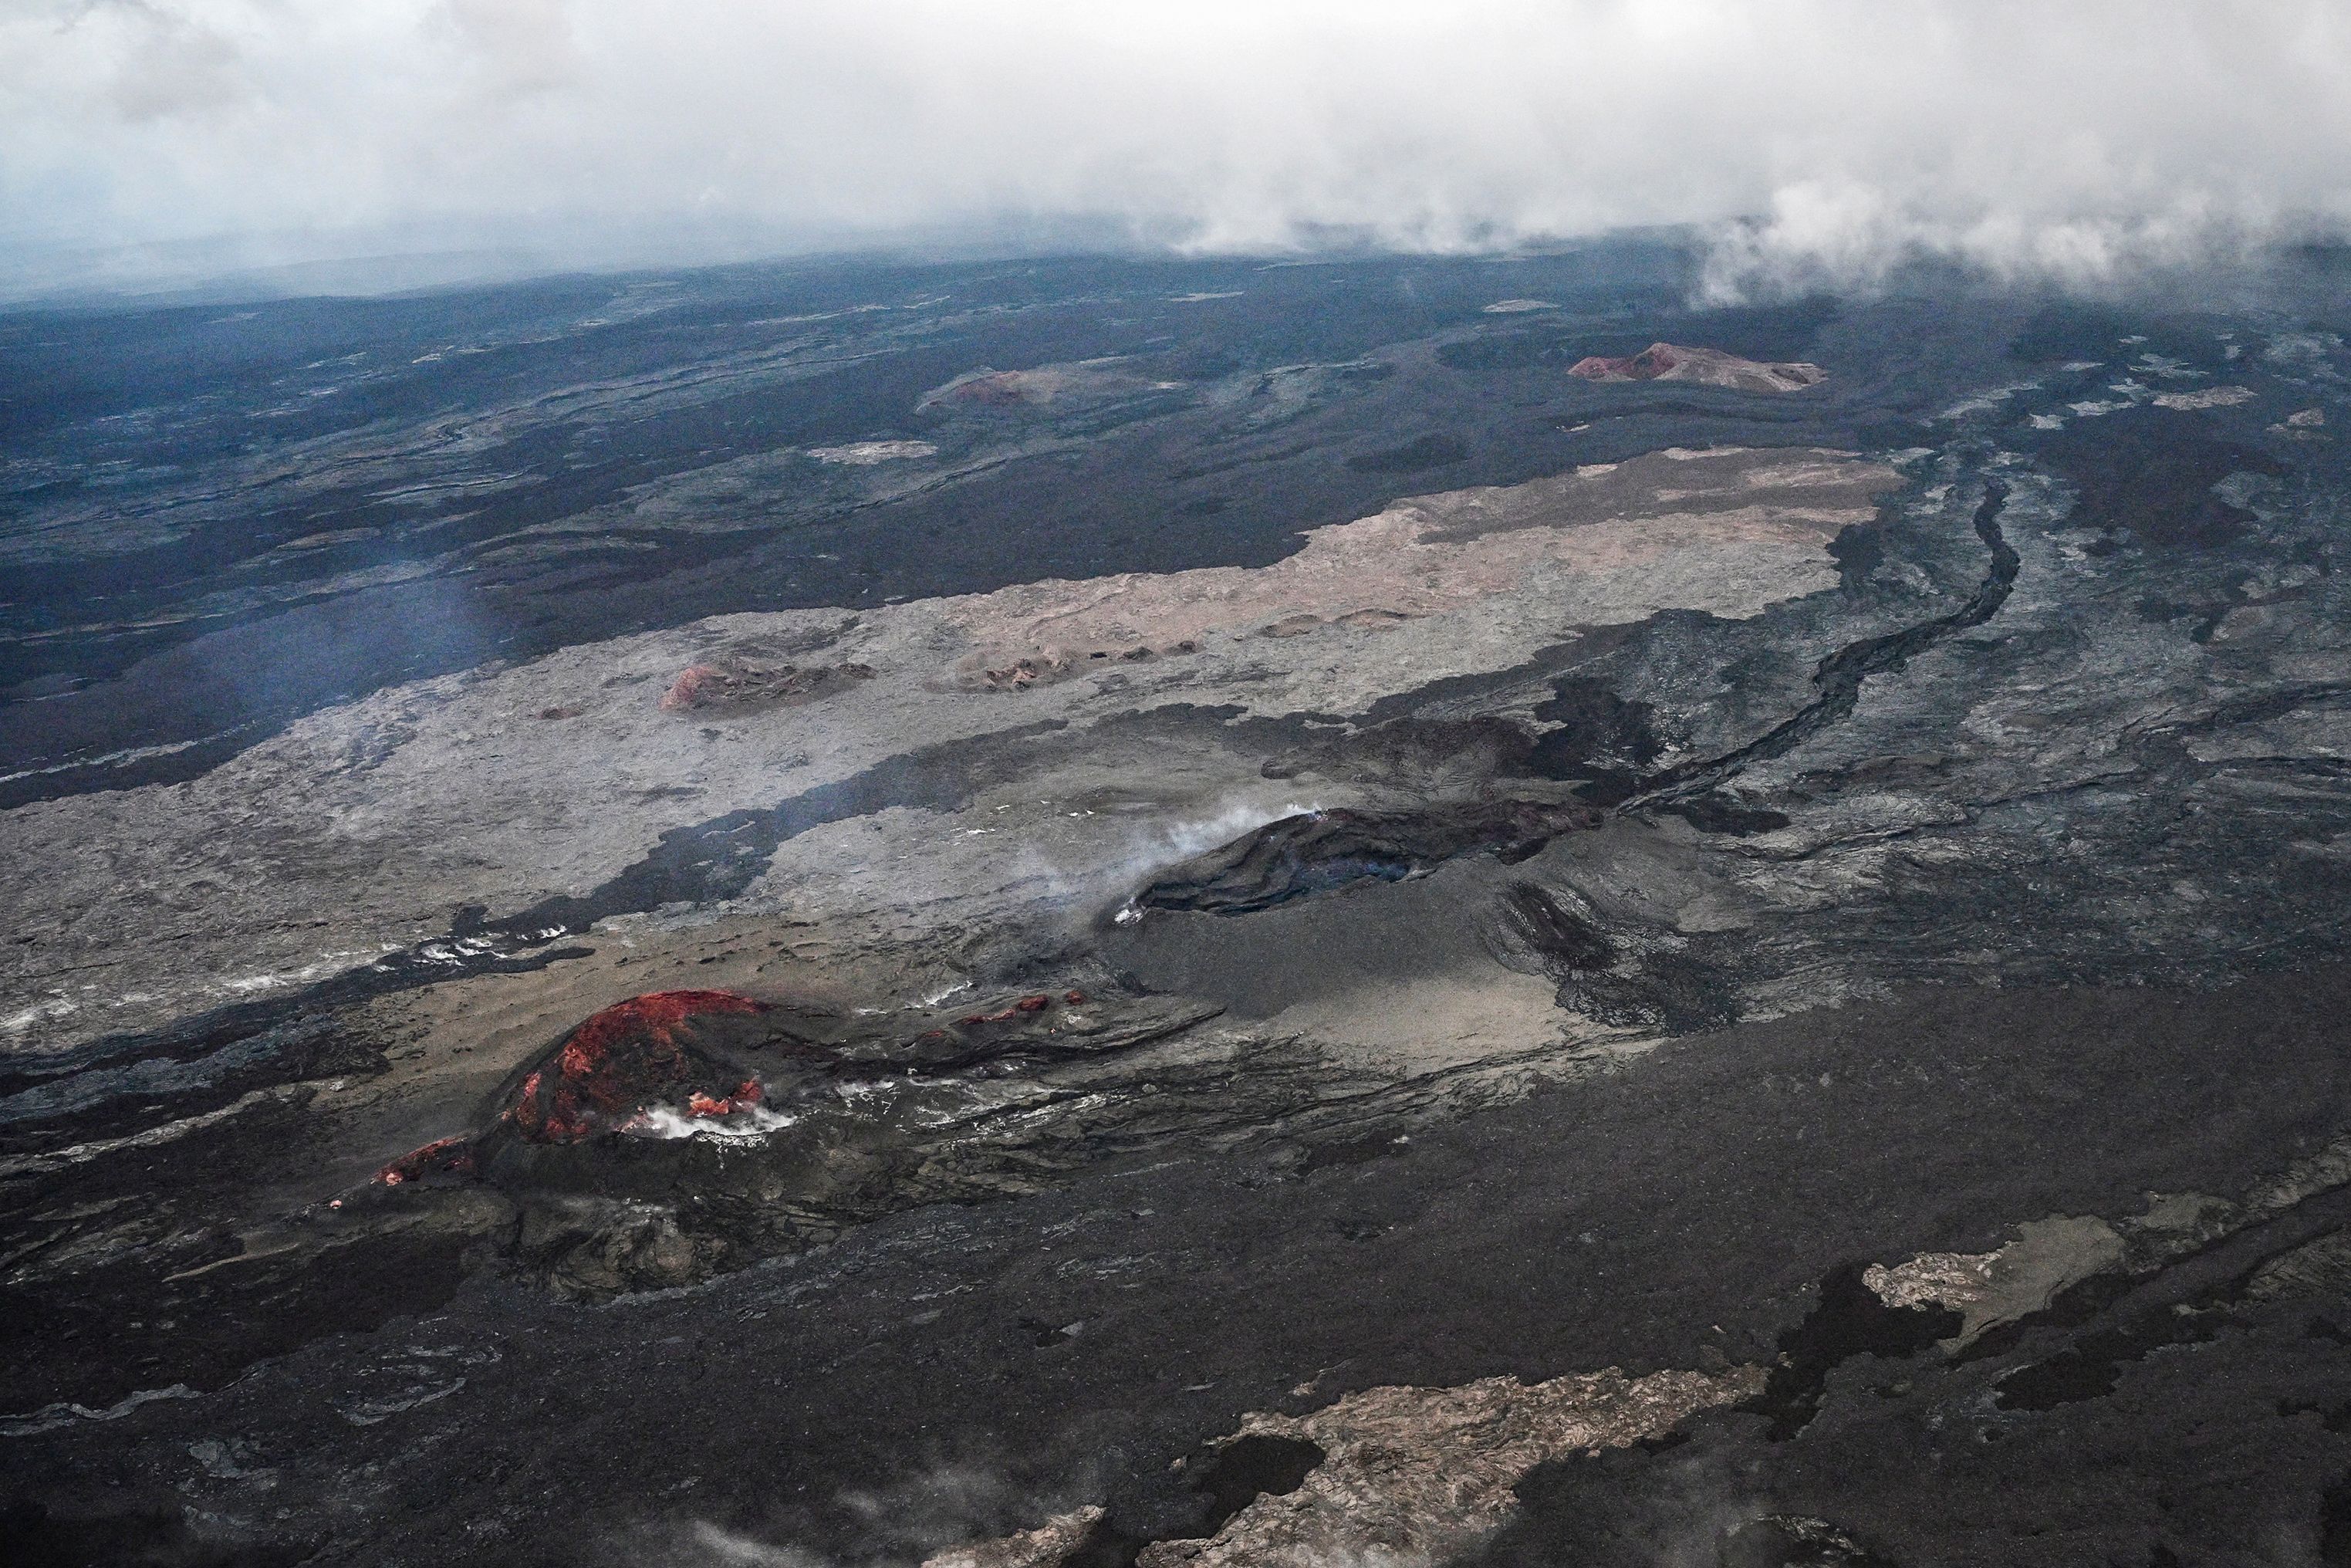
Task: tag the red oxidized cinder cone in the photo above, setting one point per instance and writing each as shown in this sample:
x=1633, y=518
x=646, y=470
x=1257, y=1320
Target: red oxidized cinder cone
x=630, y=1056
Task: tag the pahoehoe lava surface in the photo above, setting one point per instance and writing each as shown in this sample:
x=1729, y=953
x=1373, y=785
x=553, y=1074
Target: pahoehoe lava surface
x=1085, y=914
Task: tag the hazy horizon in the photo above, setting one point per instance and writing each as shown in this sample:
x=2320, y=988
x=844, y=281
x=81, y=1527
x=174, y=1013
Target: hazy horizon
x=1822, y=144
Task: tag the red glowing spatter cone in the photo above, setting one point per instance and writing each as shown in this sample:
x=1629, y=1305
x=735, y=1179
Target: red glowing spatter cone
x=614, y=1064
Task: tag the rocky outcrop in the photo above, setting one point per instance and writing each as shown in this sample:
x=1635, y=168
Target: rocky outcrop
x=1048, y=1546
x=1707, y=367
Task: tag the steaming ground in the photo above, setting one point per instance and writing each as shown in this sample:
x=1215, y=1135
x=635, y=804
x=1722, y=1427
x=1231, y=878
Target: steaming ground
x=1266, y=929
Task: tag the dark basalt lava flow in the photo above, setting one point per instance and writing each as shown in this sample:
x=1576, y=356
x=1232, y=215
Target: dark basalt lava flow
x=1319, y=851
x=1759, y=984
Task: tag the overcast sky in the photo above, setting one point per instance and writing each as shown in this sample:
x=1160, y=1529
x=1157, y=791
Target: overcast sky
x=1822, y=139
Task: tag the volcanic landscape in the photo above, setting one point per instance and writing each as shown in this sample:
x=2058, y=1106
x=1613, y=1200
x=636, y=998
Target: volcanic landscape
x=1066, y=915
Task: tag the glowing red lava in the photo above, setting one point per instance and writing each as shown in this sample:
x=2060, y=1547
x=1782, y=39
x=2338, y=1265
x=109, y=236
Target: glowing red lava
x=616, y=1063
x=442, y=1156
x=1036, y=1004
x=746, y=1094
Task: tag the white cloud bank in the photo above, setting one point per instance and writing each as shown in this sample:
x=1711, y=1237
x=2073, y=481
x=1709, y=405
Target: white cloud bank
x=1826, y=139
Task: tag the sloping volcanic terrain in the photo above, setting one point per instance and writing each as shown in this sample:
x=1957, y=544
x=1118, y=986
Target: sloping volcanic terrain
x=1083, y=914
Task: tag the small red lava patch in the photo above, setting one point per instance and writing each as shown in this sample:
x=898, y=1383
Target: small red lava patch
x=442, y=1156
x=1036, y=1004
x=686, y=690
x=616, y=1063
x=746, y=1094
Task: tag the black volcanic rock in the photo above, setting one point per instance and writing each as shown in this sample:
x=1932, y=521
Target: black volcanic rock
x=1321, y=852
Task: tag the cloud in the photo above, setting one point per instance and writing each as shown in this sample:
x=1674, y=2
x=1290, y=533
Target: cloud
x=1819, y=140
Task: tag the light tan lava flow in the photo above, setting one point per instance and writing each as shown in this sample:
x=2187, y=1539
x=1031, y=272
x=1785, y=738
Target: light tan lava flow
x=1409, y=1476
x=1415, y=1475
x=1426, y=555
